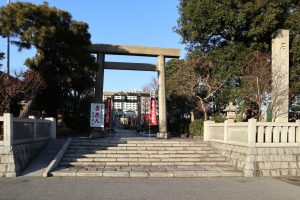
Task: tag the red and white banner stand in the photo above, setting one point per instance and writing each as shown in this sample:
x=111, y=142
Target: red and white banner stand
x=153, y=119
x=108, y=112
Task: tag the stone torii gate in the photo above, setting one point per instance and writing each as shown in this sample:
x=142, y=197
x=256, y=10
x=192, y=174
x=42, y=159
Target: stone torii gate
x=160, y=53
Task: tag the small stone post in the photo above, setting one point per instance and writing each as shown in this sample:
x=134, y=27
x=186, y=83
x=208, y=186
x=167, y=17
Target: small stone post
x=251, y=132
x=226, y=129
x=8, y=129
x=52, y=127
x=34, y=126
x=192, y=116
x=249, y=168
x=206, y=130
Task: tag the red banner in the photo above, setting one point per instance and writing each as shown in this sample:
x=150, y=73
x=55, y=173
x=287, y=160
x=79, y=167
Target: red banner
x=153, y=120
x=107, y=112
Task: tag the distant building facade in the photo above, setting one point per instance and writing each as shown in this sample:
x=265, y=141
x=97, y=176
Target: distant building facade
x=128, y=101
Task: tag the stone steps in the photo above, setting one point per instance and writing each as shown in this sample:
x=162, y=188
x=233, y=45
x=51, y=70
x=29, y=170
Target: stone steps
x=119, y=163
x=127, y=159
x=103, y=155
x=149, y=172
x=139, y=145
x=147, y=151
x=140, y=152
x=137, y=141
x=144, y=158
x=142, y=148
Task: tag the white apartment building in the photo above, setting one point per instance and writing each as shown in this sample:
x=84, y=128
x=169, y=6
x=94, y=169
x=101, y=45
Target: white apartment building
x=128, y=105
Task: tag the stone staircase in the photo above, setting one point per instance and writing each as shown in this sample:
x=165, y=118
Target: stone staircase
x=143, y=158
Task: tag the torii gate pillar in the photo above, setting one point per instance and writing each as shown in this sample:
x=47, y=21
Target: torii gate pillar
x=162, y=98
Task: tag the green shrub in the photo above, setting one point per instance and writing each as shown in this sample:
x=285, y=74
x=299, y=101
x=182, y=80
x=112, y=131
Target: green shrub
x=196, y=127
x=218, y=118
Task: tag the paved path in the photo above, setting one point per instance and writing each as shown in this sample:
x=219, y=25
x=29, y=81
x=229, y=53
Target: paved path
x=31, y=188
x=39, y=164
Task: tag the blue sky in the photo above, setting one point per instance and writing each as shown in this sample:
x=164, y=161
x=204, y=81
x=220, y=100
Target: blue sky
x=131, y=22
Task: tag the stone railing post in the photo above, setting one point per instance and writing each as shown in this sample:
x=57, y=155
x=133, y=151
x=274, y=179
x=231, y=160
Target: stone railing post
x=249, y=167
x=206, y=130
x=226, y=130
x=251, y=132
x=34, y=126
x=298, y=131
x=52, y=127
x=8, y=129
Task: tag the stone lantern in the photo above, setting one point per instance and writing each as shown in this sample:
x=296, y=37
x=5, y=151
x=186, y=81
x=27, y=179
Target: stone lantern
x=230, y=112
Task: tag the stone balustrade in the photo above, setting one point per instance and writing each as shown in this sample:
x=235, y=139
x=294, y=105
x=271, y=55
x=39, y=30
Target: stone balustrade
x=23, y=130
x=277, y=134
x=22, y=141
x=253, y=134
x=258, y=148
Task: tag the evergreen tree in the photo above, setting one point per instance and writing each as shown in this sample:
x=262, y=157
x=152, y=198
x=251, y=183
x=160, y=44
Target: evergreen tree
x=230, y=31
x=62, y=57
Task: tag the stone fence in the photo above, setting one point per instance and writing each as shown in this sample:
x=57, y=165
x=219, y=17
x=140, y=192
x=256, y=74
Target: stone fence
x=258, y=148
x=22, y=141
x=253, y=134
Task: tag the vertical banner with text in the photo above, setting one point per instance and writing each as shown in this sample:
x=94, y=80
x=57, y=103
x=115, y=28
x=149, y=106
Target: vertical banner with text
x=107, y=112
x=153, y=120
x=97, y=115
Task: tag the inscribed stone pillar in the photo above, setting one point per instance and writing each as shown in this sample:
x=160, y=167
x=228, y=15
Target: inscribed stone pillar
x=99, y=132
x=280, y=76
x=162, y=98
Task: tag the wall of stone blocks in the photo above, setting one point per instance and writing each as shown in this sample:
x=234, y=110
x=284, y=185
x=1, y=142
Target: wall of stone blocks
x=14, y=159
x=262, y=161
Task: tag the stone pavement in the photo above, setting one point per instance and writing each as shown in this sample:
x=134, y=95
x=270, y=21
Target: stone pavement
x=89, y=188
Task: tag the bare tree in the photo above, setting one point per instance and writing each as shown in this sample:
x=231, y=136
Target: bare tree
x=279, y=94
x=256, y=81
x=152, y=86
x=198, y=80
x=263, y=85
x=24, y=85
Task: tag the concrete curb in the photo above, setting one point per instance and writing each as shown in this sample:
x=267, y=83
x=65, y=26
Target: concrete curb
x=57, y=158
